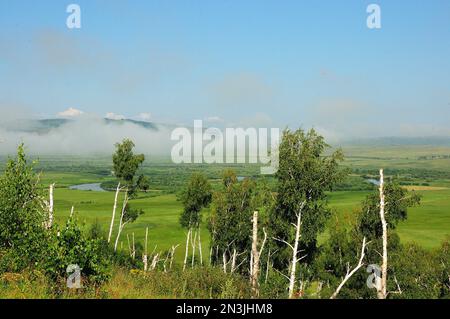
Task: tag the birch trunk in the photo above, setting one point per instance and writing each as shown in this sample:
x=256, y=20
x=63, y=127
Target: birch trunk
x=224, y=257
x=113, y=213
x=134, y=248
x=121, y=224
x=233, y=261
x=294, y=255
x=171, y=255
x=145, y=257
x=350, y=273
x=187, y=249
x=200, y=247
x=193, y=243
x=50, y=206
x=255, y=257
x=381, y=293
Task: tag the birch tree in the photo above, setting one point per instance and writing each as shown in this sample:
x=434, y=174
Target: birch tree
x=196, y=196
x=295, y=250
x=381, y=291
x=304, y=174
x=231, y=219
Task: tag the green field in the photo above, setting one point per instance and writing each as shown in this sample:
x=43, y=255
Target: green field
x=427, y=224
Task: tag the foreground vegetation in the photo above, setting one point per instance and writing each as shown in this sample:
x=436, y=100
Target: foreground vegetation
x=35, y=265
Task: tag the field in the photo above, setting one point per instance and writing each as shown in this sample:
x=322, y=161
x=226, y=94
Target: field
x=427, y=224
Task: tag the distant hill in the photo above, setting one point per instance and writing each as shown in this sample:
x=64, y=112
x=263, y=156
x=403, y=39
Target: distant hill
x=46, y=125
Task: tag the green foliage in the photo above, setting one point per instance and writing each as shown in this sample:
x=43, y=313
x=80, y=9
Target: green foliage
x=397, y=200
x=22, y=217
x=416, y=271
x=143, y=183
x=125, y=162
x=26, y=243
x=72, y=247
x=304, y=174
x=443, y=264
x=195, y=197
x=131, y=214
x=231, y=217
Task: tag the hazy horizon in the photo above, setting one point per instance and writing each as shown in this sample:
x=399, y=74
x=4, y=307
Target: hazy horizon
x=230, y=64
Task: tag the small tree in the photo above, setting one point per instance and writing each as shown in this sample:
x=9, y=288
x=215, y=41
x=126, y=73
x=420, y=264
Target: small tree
x=194, y=197
x=22, y=212
x=231, y=218
x=305, y=174
x=126, y=163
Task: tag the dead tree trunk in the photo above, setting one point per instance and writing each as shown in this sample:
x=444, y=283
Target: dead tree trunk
x=224, y=257
x=187, y=249
x=145, y=256
x=193, y=243
x=295, y=251
x=113, y=213
x=381, y=291
x=134, y=248
x=172, y=253
x=295, y=259
x=255, y=255
x=350, y=273
x=49, y=222
x=121, y=223
x=200, y=248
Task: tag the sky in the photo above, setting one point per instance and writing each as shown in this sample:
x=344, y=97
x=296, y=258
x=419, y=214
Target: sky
x=243, y=63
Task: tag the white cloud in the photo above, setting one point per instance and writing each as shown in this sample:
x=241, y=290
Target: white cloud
x=145, y=116
x=114, y=116
x=70, y=112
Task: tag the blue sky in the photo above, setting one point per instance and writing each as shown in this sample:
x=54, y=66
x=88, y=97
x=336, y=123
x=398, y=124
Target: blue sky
x=249, y=63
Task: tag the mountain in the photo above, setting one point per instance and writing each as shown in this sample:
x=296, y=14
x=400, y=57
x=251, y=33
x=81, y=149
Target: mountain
x=44, y=126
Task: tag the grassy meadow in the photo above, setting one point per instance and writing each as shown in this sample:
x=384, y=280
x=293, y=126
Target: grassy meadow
x=422, y=169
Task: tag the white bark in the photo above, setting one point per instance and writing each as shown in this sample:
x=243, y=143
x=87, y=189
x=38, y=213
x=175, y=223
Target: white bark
x=113, y=213
x=171, y=255
x=294, y=254
x=210, y=255
x=121, y=223
x=187, y=249
x=133, y=255
x=350, y=273
x=193, y=243
x=382, y=293
x=233, y=261
x=50, y=207
x=295, y=259
x=145, y=257
x=71, y=211
x=154, y=262
x=255, y=255
x=224, y=257
x=200, y=247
